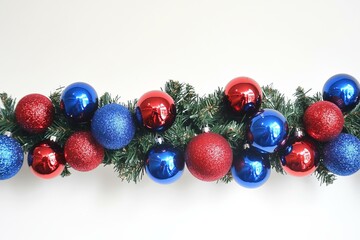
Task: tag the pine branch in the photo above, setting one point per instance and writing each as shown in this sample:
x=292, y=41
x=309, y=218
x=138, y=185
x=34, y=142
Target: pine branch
x=324, y=176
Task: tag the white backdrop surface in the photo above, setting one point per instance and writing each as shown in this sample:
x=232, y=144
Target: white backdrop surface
x=131, y=47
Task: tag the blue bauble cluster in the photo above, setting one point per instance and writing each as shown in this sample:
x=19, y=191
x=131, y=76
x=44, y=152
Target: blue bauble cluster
x=11, y=157
x=343, y=90
x=342, y=155
x=113, y=126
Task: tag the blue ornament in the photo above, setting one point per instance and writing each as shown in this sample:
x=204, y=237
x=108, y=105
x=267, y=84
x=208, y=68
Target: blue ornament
x=113, y=126
x=267, y=130
x=164, y=164
x=342, y=155
x=251, y=169
x=343, y=90
x=11, y=157
x=79, y=101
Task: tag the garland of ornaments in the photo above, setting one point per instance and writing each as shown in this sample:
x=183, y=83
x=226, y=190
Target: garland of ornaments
x=208, y=156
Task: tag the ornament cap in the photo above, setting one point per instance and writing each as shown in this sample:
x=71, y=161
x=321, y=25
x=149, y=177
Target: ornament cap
x=53, y=138
x=206, y=129
x=8, y=133
x=159, y=139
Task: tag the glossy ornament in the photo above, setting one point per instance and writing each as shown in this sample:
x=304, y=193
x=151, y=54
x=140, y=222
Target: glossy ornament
x=164, y=164
x=208, y=156
x=342, y=155
x=267, y=130
x=156, y=111
x=34, y=113
x=46, y=159
x=113, y=126
x=11, y=157
x=82, y=152
x=251, y=169
x=243, y=95
x=302, y=160
x=323, y=121
x=79, y=101
x=343, y=90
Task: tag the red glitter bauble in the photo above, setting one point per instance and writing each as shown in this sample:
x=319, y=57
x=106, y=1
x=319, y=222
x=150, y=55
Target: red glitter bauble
x=82, y=152
x=243, y=95
x=323, y=121
x=46, y=159
x=302, y=160
x=156, y=110
x=208, y=156
x=34, y=113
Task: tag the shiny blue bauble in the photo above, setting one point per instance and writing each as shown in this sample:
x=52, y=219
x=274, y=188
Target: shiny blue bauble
x=251, y=169
x=11, y=157
x=343, y=90
x=164, y=164
x=79, y=101
x=342, y=155
x=267, y=130
x=113, y=126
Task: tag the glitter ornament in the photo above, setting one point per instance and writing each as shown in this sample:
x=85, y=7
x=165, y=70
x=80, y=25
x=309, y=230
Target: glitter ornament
x=11, y=157
x=323, y=121
x=267, y=130
x=34, y=113
x=243, y=96
x=342, y=155
x=343, y=90
x=82, y=152
x=155, y=110
x=79, y=101
x=46, y=159
x=113, y=126
x=208, y=156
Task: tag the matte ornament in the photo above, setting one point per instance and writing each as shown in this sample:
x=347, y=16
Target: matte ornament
x=343, y=90
x=156, y=111
x=323, y=121
x=302, y=160
x=82, y=152
x=251, y=169
x=11, y=157
x=113, y=126
x=79, y=101
x=342, y=155
x=164, y=164
x=243, y=95
x=267, y=130
x=46, y=160
x=34, y=113
x=208, y=156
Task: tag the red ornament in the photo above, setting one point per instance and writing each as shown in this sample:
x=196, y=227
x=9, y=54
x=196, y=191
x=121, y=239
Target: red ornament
x=46, y=159
x=323, y=121
x=208, y=156
x=302, y=160
x=156, y=110
x=34, y=113
x=82, y=152
x=243, y=95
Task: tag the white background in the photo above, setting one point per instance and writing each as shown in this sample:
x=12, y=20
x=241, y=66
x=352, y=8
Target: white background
x=131, y=47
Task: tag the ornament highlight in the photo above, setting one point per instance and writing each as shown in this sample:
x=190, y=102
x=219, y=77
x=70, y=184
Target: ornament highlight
x=342, y=155
x=343, y=90
x=34, y=113
x=156, y=111
x=113, y=126
x=11, y=157
x=79, y=101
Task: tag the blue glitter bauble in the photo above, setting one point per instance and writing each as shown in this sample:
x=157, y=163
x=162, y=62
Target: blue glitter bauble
x=343, y=90
x=79, y=101
x=342, y=155
x=267, y=130
x=251, y=169
x=164, y=164
x=113, y=126
x=11, y=157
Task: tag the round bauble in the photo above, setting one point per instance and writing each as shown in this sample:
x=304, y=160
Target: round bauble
x=11, y=157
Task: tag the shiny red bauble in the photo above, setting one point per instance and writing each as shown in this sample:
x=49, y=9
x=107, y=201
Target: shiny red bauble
x=208, y=156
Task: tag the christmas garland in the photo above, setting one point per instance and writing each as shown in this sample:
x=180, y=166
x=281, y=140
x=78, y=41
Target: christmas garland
x=240, y=132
